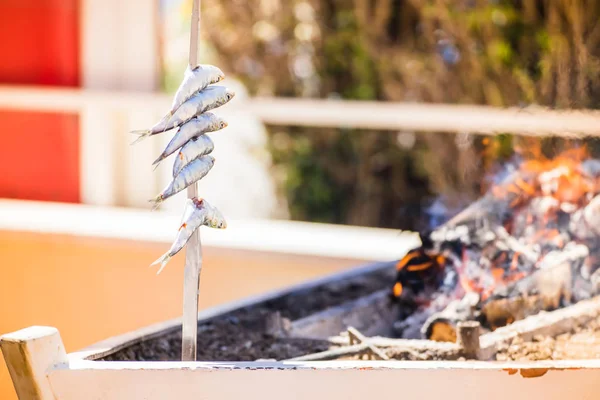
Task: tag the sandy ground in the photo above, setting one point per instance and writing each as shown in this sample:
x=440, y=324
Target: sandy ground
x=91, y=289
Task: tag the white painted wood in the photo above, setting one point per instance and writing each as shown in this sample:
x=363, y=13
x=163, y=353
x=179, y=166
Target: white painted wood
x=32, y=98
x=29, y=354
x=41, y=370
x=99, y=162
x=138, y=181
x=119, y=45
x=333, y=113
x=119, y=51
x=325, y=380
x=289, y=237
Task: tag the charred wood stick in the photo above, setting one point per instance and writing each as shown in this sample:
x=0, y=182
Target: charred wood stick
x=468, y=338
x=585, y=223
x=409, y=349
x=355, y=336
x=442, y=326
x=410, y=327
x=543, y=290
x=378, y=354
x=475, y=223
x=404, y=344
x=276, y=325
x=333, y=354
x=545, y=323
x=515, y=246
x=373, y=313
x=571, y=253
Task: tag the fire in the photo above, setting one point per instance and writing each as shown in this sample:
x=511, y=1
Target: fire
x=540, y=208
x=538, y=195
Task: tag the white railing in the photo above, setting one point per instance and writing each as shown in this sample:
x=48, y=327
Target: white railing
x=269, y=236
x=113, y=173
x=537, y=121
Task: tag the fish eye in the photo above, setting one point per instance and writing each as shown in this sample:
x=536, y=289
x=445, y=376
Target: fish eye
x=223, y=124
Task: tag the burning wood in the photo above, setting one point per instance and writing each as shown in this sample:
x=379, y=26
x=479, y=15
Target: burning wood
x=469, y=343
x=530, y=244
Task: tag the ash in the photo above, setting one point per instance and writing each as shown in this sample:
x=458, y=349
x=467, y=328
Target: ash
x=529, y=244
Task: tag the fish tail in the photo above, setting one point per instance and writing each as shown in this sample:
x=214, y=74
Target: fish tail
x=163, y=260
x=143, y=134
x=157, y=161
x=165, y=121
x=156, y=201
x=168, y=116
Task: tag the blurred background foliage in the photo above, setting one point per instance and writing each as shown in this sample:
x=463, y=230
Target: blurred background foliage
x=500, y=53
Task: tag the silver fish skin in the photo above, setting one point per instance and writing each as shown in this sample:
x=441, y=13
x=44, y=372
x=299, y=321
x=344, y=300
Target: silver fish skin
x=214, y=218
x=206, y=100
x=198, y=147
x=194, y=80
x=190, y=174
x=194, y=128
x=197, y=213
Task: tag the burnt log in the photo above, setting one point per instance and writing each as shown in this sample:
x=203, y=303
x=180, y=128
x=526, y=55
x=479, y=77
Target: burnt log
x=442, y=326
x=373, y=314
x=585, y=222
x=548, y=324
x=557, y=282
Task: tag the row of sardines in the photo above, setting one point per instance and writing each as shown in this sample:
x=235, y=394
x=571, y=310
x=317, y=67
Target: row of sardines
x=190, y=115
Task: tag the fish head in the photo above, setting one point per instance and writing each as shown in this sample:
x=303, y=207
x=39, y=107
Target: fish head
x=217, y=75
x=221, y=224
x=215, y=219
x=216, y=123
x=229, y=94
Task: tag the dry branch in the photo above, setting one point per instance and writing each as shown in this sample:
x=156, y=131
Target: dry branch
x=356, y=337
x=333, y=354
x=408, y=348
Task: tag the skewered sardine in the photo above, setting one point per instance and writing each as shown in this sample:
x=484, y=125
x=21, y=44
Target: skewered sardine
x=188, y=175
x=197, y=213
x=194, y=81
x=192, y=150
x=194, y=128
x=206, y=100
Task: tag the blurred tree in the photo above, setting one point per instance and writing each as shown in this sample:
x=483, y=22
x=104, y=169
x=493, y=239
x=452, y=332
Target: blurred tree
x=496, y=52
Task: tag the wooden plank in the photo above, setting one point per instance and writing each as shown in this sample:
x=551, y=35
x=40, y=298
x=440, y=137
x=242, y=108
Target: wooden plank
x=29, y=354
x=334, y=113
x=347, y=380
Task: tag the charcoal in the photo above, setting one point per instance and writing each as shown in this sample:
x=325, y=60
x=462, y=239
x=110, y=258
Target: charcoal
x=531, y=243
x=585, y=223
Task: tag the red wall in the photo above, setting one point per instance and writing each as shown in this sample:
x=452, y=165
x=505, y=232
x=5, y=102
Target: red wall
x=39, y=42
x=39, y=152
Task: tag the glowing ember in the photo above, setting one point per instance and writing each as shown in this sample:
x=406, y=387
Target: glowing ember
x=543, y=214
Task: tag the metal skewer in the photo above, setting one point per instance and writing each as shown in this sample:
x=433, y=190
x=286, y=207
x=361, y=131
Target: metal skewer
x=193, y=252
